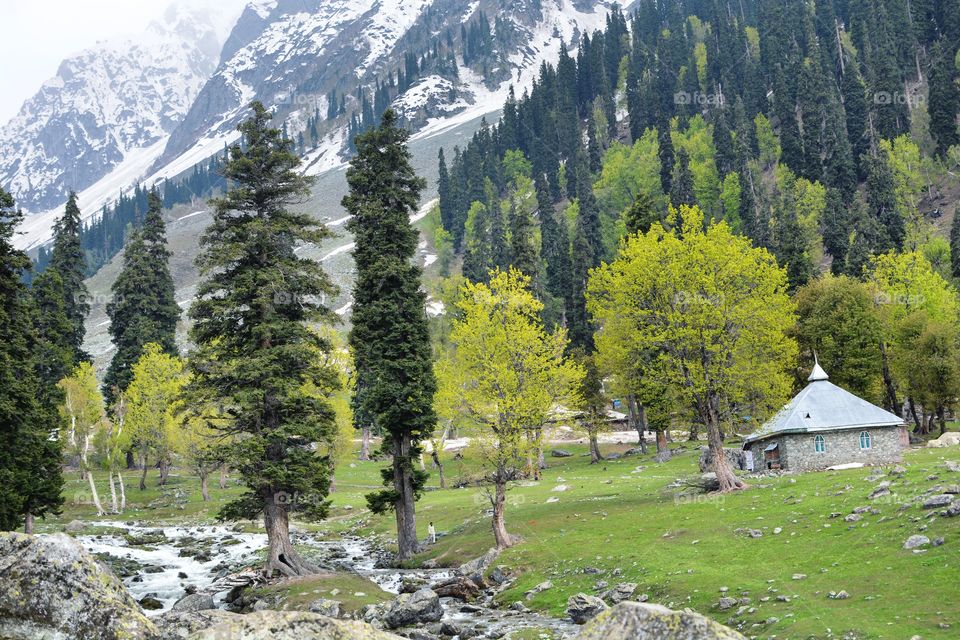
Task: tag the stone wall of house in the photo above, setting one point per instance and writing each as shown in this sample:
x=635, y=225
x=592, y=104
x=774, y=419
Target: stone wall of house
x=759, y=464
x=842, y=447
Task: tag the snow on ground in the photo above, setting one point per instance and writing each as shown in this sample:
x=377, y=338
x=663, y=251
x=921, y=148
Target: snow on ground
x=37, y=228
x=392, y=19
x=326, y=156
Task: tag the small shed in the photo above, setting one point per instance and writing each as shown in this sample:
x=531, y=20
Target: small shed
x=825, y=425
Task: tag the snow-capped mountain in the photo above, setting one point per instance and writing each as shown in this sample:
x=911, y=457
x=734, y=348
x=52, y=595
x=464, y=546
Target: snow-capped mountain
x=151, y=109
x=108, y=104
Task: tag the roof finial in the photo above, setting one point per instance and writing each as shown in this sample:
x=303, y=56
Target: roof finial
x=817, y=373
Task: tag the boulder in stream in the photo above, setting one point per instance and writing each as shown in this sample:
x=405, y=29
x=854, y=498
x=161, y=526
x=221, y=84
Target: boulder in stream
x=290, y=625
x=195, y=602
x=51, y=587
x=412, y=608
x=582, y=607
x=654, y=622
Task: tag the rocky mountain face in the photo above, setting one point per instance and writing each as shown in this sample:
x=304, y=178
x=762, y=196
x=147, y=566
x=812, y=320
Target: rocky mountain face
x=141, y=110
x=106, y=104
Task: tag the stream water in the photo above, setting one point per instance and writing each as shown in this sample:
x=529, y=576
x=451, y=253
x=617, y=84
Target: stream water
x=205, y=557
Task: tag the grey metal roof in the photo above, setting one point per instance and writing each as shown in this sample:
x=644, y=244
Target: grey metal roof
x=823, y=406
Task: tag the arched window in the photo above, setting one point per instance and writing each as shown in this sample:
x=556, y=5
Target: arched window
x=864, y=440
x=819, y=445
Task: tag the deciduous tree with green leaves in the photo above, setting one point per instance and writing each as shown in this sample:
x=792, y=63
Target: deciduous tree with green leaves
x=83, y=412
x=508, y=375
x=715, y=311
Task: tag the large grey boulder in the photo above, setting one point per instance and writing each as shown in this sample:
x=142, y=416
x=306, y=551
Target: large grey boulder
x=478, y=566
x=290, y=625
x=194, y=602
x=179, y=625
x=582, y=607
x=50, y=587
x=654, y=622
x=736, y=459
x=411, y=608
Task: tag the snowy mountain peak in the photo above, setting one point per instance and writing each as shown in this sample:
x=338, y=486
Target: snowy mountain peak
x=105, y=102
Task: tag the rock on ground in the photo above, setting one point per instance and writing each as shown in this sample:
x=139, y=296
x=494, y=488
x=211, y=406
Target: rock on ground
x=326, y=607
x=654, y=622
x=915, y=542
x=195, y=602
x=179, y=625
x=736, y=459
x=290, y=625
x=582, y=607
x=411, y=608
x=949, y=439
x=51, y=587
x=478, y=566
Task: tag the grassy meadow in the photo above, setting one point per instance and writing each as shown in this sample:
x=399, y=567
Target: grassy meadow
x=622, y=521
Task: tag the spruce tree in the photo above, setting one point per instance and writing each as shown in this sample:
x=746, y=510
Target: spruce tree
x=641, y=215
x=882, y=203
x=944, y=98
x=523, y=248
x=30, y=463
x=444, y=193
x=143, y=309
x=390, y=338
x=69, y=262
x=256, y=354
x=682, y=181
x=555, y=252
x=587, y=254
x=955, y=247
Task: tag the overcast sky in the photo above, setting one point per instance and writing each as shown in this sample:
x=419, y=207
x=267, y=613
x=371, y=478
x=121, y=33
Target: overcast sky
x=38, y=34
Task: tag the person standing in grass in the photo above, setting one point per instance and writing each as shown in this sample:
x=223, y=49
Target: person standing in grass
x=432, y=533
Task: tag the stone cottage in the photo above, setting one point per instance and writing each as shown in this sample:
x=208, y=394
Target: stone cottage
x=824, y=426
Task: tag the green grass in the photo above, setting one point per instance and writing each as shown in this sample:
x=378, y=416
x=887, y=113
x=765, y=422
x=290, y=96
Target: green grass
x=352, y=591
x=621, y=517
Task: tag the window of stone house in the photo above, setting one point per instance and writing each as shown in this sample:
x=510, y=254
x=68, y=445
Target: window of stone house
x=864, y=440
x=819, y=445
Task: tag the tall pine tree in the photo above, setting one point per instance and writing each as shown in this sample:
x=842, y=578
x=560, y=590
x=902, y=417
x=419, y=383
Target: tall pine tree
x=69, y=262
x=390, y=337
x=30, y=463
x=256, y=355
x=143, y=309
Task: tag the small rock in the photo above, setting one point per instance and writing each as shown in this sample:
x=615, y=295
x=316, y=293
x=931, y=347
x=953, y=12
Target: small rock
x=540, y=588
x=560, y=453
x=882, y=489
x=935, y=502
x=195, y=602
x=799, y=576
x=582, y=607
x=726, y=603
x=325, y=607
x=621, y=592
x=150, y=603
x=838, y=595
x=938, y=541
x=853, y=517
x=915, y=542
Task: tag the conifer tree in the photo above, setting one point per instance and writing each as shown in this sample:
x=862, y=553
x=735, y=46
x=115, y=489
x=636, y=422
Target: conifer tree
x=255, y=353
x=390, y=338
x=882, y=202
x=523, y=248
x=69, y=262
x=555, y=252
x=444, y=193
x=30, y=476
x=944, y=98
x=682, y=181
x=587, y=254
x=955, y=247
x=143, y=309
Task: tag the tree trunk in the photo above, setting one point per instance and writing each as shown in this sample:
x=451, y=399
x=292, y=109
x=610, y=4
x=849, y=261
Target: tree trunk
x=913, y=413
x=143, y=473
x=131, y=461
x=123, y=493
x=223, y=476
x=541, y=460
x=436, y=461
x=28, y=523
x=113, y=495
x=663, y=449
x=503, y=539
x=164, y=472
x=595, y=456
x=204, y=491
x=725, y=477
x=96, y=496
x=638, y=420
x=333, y=483
x=404, y=506
x=644, y=425
x=281, y=557
x=365, y=443
x=890, y=390
x=942, y=419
